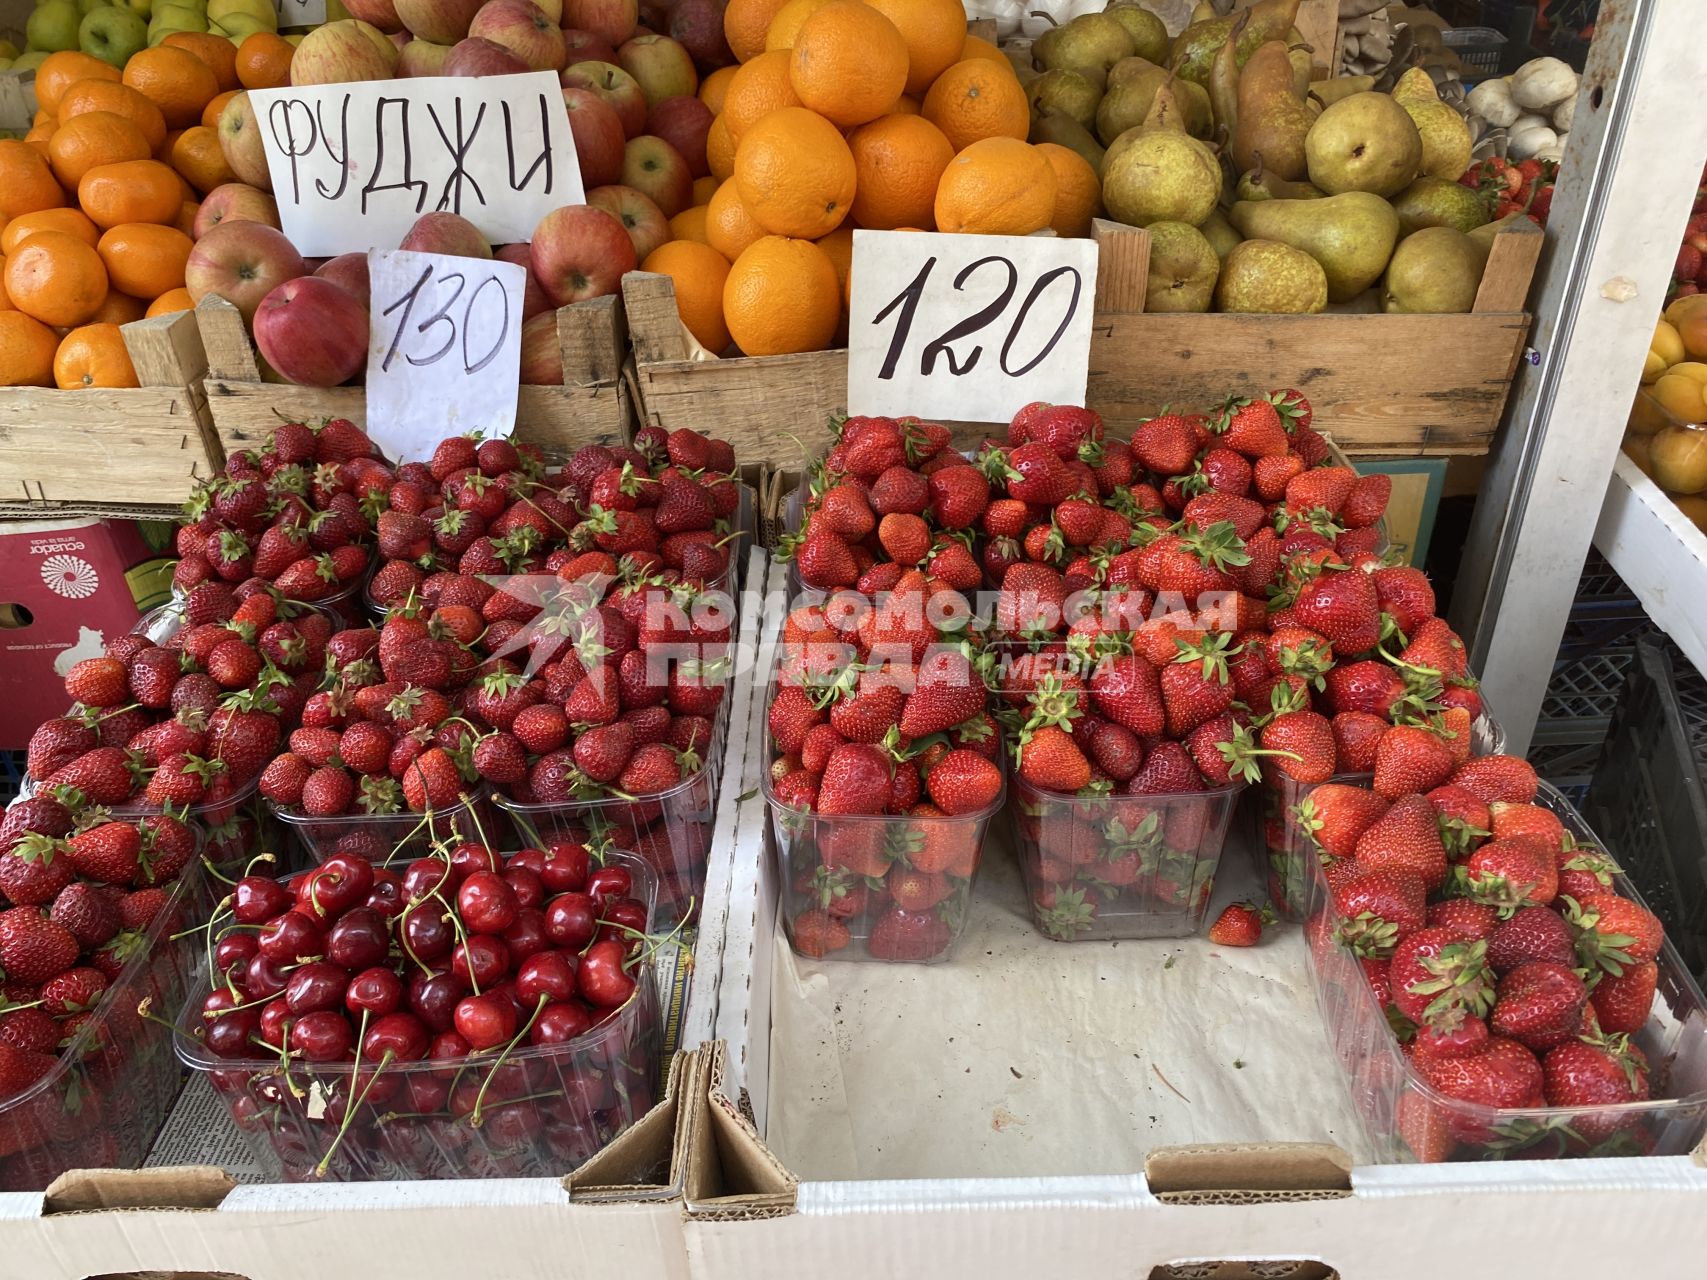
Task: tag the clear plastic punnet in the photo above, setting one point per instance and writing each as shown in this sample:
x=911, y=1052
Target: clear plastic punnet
x=384, y=837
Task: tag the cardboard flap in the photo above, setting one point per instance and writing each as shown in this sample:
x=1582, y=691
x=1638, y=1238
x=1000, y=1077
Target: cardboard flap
x=174, y=1187
x=1250, y=1172
x=731, y=1174
x=629, y=1167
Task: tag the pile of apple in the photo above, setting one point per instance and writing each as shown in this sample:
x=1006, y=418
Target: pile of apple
x=113, y=30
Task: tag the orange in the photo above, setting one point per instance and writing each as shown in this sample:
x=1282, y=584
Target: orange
x=935, y=32
x=781, y=296
x=120, y=308
x=197, y=157
x=1078, y=190
x=263, y=61
x=759, y=88
x=745, y=23
x=978, y=47
x=59, y=71
x=175, y=80
x=720, y=150
x=26, y=351
x=689, y=224
x=838, y=248
x=26, y=180
x=706, y=187
x=56, y=278
x=186, y=219
x=170, y=301
x=93, y=138
x=977, y=99
x=849, y=63
x=121, y=100
x=43, y=117
x=795, y=173
x=218, y=52
x=143, y=259
x=5, y=301
x=164, y=151
x=699, y=272
x=715, y=87
x=899, y=160
x=71, y=221
x=904, y=106
x=786, y=25
x=39, y=134
x=93, y=356
x=999, y=186
x=132, y=191
x=729, y=225
x=216, y=104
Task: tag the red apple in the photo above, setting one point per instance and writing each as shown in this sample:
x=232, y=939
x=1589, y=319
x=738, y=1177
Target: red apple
x=422, y=58
x=621, y=90
x=235, y=202
x=598, y=137
x=341, y=52
x=473, y=56
x=441, y=21
x=580, y=252
x=533, y=297
x=349, y=272
x=613, y=21
x=656, y=170
x=698, y=25
x=242, y=262
x=542, y=357
x=521, y=27
x=381, y=14
x=552, y=9
x=660, y=65
x=448, y=233
x=644, y=221
x=684, y=123
x=585, y=46
x=240, y=142
x=312, y=332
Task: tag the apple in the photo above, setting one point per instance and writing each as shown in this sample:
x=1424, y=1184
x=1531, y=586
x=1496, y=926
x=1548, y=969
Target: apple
x=422, y=58
x=340, y=52
x=585, y=46
x=379, y=14
x=542, y=356
x=242, y=262
x=660, y=65
x=472, y=56
x=698, y=26
x=349, y=272
x=234, y=202
x=441, y=21
x=385, y=44
x=112, y=35
x=533, y=297
x=53, y=27
x=240, y=142
x=621, y=90
x=523, y=28
x=580, y=252
x=644, y=221
x=656, y=170
x=613, y=21
x=449, y=233
x=598, y=134
x=312, y=332
x=684, y=123
x=552, y=9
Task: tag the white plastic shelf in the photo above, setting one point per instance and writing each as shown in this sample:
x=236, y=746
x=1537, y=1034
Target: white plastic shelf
x=1660, y=554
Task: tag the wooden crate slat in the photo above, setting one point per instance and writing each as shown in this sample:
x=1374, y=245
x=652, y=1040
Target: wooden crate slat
x=141, y=445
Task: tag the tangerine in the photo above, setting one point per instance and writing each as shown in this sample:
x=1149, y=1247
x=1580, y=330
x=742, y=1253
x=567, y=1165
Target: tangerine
x=93, y=355
x=26, y=180
x=699, y=273
x=27, y=348
x=175, y=80
x=93, y=138
x=976, y=99
x=145, y=259
x=56, y=278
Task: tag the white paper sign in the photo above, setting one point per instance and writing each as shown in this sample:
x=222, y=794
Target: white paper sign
x=968, y=327
x=353, y=165
x=300, y=13
x=444, y=349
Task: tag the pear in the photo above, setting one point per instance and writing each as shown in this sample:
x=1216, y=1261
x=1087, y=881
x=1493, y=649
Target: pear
x=1302, y=59
x=1438, y=202
x=1435, y=271
x=1366, y=142
x=1132, y=85
x=1196, y=46
x=1090, y=40
x=1157, y=171
x=1069, y=92
x=1183, y=269
x=1445, y=138
x=1223, y=82
x=1351, y=235
x=1219, y=232
x=1052, y=126
x=1259, y=184
x=1414, y=88
x=1270, y=278
x=1149, y=35
x=1331, y=91
x=1272, y=119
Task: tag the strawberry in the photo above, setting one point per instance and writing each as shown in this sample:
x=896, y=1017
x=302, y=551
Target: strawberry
x=654, y=767
x=328, y=791
x=1323, y=489
x=1048, y=757
x=856, y=780
x=1511, y=873
x=1468, y=919
x=1465, y=820
x=1583, y=870
x=1540, y=1004
x=431, y=781
x=816, y=933
x=1337, y=815
x=34, y=870
x=1167, y=770
x=1252, y=428
x=959, y=496
x=109, y=853
x=963, y=781
x=180, y=780
x=74, y=991
x=1032, y=473
x=946, y=692
x=1195, y=686
x=824, y=561
x=1613, y=931
x=1344, y=606
x=1367, y=501
x=1406, y=838
x=32, y=947
x=498, y=757
x=1592, y=1073
x=1165, y=444
x=1271, y=474
x=152, y=676
x=89, y=914
x=1498, y=777
x=31, y=1029
x=1437, y=649
x=1531, y=933
x=1379, y=908
x=56, y=743
x=1438, y=979
x=1240, y=925
x=1409, y=759
x=1622, y=1001
x=1067, y=429
x=901, y=491
x=1127, y=689
x=1405, y=595
x=21, y=1068
x=1304, y=740
x=98, y=682
x=908, y=935
x=602, y=753
x=906, y=538
x=1116, y=750
x=1504, y=1074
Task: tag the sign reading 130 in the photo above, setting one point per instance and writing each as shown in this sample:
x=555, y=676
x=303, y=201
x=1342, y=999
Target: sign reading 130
x=968, y=327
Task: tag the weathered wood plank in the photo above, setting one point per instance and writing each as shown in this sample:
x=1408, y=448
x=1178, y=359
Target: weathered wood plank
x=140, y=446
x=1510, y=268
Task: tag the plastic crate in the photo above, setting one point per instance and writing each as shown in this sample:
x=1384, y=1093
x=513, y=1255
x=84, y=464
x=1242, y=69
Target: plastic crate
x=1478, y=48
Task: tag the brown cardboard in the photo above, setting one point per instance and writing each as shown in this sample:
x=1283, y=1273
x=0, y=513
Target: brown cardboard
x=181, y=1187
x=647, y=1161
x=1275, y=1168
x=730, y=1172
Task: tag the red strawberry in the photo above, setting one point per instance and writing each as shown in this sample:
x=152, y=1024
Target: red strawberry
x=1406, y=595
x=1367, y=501
x=328, y=791
x=1252, y=428
x=88, y=912
x=1540, y=1005
x=1499, y=777
x=1380, y=908
x=1468, y=919
x=98, y=682
x=1438, y=978
x=958, y=496
x=1343, y=605
x=21, y=1068
x=856, y=780
x=1195, y=686
x=1305, y=741
x=1406, y=838
x=1271, y=474
x=602, y=753
x=1127, y=690
x=1165, y=444
x=56, y=743
x=1337, y=815
x=1240, y=925
x=824, y=561
x=1504, y=1074
x=963, y=781
x=1409, y=759
x=1622, y=1001
x=1591, y=1073
x=1614, y=931
x=1511, y=873
x=1531, y=933
x=34, y=948
x=816, y=933
x=1168, y=770
x=1323, y=489
x=908, y=935
x=109, y=853
x=1049, y=758
x=431, y=781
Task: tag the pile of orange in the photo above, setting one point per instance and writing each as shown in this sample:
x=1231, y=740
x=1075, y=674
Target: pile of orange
x=98, y=200
x=844, y=114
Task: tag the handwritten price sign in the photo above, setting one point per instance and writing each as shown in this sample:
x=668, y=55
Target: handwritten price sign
x=444, y=349
x=968, y=327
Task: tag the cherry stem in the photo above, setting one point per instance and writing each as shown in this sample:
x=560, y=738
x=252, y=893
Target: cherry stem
x=474, y=1116
x=354, y=1103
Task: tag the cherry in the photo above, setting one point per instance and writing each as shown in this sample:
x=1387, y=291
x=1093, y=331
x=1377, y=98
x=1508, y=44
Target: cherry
x=480, y=961
x=560, y=1023
x=376, y=992
x=424, y=875
x=232, y=953
x=527, y=936
x=427, y=1093
x=265, y=978
x=607, y=884
x=587, y=1091
x=486, y=902
x=570, y=920
x=342, y=881
x=315, y=987
x=359, y=939
x=275, y=1022
x=388, y=898
x=257, y=899
x=434, y=999
x=486, y=1021
x=427, y=935
x=529, y=859
x=322, y=1037
x=448, y=1045
x=218, y=1004
x=404, y=1036
x=550, y=974
x=228, y=1036
x=628, y=912
x=527, y=886
x=602, y=980
x=469, y=857
x=292, y=938
x=567, y=865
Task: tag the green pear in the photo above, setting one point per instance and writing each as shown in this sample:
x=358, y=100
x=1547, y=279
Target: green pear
x=1052, y=126
x=1445, y=138
x=1158, y=172
x=1438, y=202
x=1066, y=91
x=1090, y=40
x=1366, y=142
x=1183, y=269
x=1434, y=271
x=1196, y=46
x=1260, y=184
x=1351, y=235
x=1132, y=85
x=1220, y=234
x=1272, y=119
x=1269, y=278
x=1414, y=88
x=1149, y=35
x=1329, y=92
x=1222, y=83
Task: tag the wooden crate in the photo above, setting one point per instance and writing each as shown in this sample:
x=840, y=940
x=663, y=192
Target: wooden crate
x=1384, y=385
x=137, y=447
x=594, y=406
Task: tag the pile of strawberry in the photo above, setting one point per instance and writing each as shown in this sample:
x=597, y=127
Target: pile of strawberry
x=1500, y=950
x=1689, y=272
x=1506, y=188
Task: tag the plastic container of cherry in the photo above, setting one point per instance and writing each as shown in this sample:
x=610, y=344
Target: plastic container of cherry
x=386, y=837
x=469, y=1017
x=1405, y=1118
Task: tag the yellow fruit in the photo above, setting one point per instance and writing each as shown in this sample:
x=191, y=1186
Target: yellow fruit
x=1694, y=508
x=1681, y=307
x=782, y=296
x=1678, y=458
x=786, y=25
x=699, y=272
x=1682, y=396
x=1635, y=448
x=1667, y=344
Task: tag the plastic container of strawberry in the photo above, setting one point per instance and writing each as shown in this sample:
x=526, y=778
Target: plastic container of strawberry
x=1284, y=851
x=545, y=1108
x=232, y=830
x=1119, y=866
x=105, y=1099
x=1405, y=1119
x=384, y=837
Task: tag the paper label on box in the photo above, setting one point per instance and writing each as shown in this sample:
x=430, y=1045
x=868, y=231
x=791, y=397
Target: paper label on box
x=354, y=165
x=968, y=327
x=444, y=349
